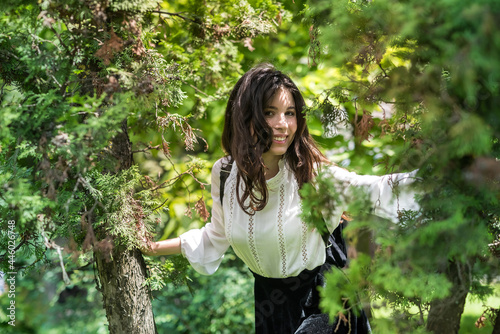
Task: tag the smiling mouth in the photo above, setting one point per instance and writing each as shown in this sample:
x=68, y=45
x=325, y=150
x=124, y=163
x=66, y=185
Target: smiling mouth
x=279, y=139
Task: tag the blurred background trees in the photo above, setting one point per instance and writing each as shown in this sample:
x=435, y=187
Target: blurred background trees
x=111, y=116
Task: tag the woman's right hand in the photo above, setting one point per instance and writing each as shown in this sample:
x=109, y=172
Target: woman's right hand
x=163, y=247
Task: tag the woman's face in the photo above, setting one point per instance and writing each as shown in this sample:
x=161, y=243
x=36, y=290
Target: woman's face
x=281, y=116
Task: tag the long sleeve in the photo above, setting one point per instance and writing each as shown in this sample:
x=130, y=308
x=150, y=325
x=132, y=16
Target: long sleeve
x=205, y=247
x=388, y=194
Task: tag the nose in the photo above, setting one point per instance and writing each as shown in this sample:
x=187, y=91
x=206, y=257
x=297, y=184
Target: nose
x=280, y=122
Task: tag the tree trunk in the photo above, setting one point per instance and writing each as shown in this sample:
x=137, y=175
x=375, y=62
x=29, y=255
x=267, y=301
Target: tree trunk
x=361, y=241
x=126, y=300
x=496, y=324
x=122, y=273
x=445, y=314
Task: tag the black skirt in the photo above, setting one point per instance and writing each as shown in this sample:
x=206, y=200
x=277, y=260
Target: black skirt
x=291, y=305
x=281, y=304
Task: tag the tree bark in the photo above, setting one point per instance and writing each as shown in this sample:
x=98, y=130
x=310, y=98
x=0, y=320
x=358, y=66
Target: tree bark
x=126, y=300
x=122, y=149
x=445, y=314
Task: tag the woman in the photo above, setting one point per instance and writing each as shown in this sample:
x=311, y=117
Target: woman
x=270, y=156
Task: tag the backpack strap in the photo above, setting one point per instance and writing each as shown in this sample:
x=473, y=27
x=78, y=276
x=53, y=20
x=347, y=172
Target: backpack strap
x=336, y=247
x=224, y=174
x=344, y=219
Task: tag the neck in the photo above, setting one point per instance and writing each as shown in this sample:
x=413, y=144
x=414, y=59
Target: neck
x=272, y=166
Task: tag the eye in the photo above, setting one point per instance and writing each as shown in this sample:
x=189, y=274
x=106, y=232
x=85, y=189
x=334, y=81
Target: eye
x=268, y=113
x=290, y=113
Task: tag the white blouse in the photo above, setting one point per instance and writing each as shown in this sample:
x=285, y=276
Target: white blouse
x=275, y=242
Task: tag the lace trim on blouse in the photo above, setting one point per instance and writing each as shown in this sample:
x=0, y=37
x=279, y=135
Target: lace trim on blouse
x=281, y=235
x=304, y=243
x=251, y=242
x=229, y=227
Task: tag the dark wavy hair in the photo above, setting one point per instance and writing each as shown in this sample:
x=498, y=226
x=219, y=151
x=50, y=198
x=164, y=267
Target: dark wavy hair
x=247, y=135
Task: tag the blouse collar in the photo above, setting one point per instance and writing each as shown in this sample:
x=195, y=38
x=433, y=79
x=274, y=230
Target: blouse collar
x=274, y=182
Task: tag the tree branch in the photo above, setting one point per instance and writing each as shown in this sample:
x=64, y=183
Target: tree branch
x=174, y=14
x=383, y=70
x=159, y=206
x=195, y=88
x=52, y=245
x=147, y=149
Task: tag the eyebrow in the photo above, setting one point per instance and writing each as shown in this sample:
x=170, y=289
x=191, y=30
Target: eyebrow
x=275, y=108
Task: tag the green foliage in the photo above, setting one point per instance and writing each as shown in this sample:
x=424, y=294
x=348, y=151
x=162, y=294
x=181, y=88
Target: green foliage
x=325, y=196
x=317, y=207
x=121, y=212
x=171, y=270
x=425, y=75
x=342, y=292
x=220, y=303
x=44, y=304
x=133, y=6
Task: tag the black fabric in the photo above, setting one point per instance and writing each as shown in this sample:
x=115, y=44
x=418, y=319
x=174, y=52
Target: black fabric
x=291, y=306
x=281, y=304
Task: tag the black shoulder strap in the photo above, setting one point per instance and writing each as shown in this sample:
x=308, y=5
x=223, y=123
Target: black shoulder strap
x=326, y=234
x=336, y=247
x=224, y=173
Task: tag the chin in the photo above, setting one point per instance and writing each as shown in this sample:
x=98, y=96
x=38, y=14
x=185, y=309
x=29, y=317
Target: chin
x=278, y=153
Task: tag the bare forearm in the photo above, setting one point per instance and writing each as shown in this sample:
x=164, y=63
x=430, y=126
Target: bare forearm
x=164, y=247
